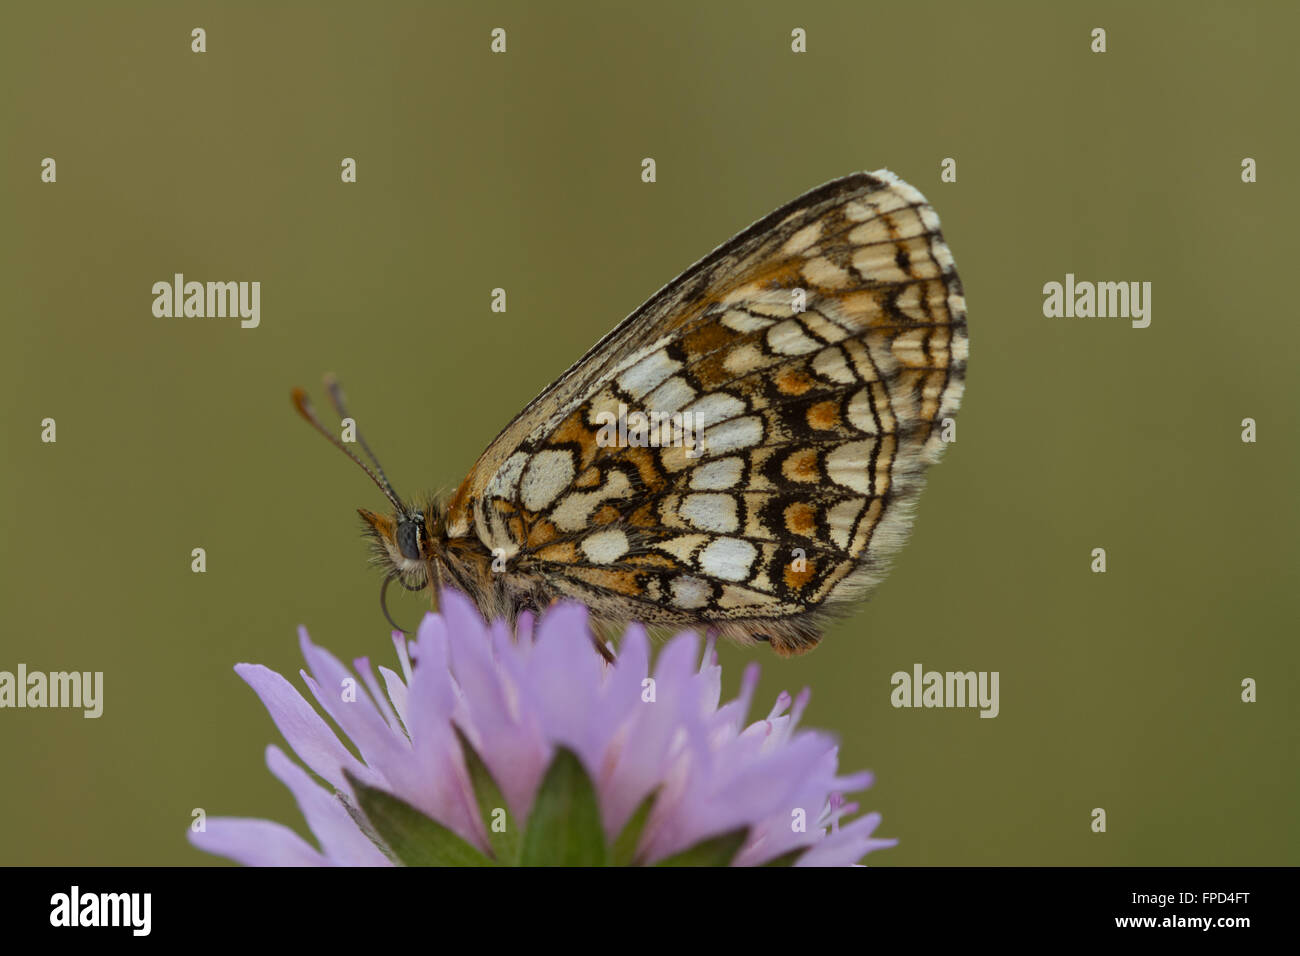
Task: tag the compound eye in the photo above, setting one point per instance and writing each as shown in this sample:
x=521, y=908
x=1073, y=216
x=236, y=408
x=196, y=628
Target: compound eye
x=408, y=539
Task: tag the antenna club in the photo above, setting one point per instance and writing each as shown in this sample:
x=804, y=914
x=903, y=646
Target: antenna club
x=301, y=402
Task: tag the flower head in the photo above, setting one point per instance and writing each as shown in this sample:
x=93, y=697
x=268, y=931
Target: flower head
x=492, y=747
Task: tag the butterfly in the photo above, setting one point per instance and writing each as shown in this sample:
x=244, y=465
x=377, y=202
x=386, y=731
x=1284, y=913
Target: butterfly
x=743, y=453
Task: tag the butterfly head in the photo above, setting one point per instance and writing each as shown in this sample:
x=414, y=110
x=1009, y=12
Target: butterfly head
x=405, y=542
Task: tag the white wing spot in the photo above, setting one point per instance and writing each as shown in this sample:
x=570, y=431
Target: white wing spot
x=842, y=518
x=733, y=435
x=605, y=547
x=739, y=321
x=788, y=338
x=802, y=239
x=549, y=472
x=715, y=407
x=670, y=396
x=847, y=466
x=710, y=512
x=858, y=211
x=719, y=475
x=878, y=262
x=861, y=416
x=647, y=373
x=870, y=232
x=690, y=592
x=506, y=479
x=823, y=272
x=829, y=364
x=909, y=347
x=728, y=558
x=746, y=358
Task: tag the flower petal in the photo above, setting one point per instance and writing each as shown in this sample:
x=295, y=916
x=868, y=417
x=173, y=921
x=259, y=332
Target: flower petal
x=699, y=783
x=435, y=779
x=518, y=754
x=304, y=729
x=396, y=693
x=257, y=843
x=847, y=845
x=357, y=716
x=565, y=675
x=330, y=822
x=362, y=666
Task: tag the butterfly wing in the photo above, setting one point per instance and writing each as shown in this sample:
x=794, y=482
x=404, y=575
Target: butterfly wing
x=816, y=357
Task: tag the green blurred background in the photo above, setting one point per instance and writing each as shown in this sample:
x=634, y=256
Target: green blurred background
x=523, y=171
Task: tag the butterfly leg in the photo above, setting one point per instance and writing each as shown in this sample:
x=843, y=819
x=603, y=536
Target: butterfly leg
x=601, y=649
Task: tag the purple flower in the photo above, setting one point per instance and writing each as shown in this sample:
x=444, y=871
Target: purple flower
x=489, y=747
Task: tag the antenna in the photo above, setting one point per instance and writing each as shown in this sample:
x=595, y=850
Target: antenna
x=335, y=391
x=303, y=404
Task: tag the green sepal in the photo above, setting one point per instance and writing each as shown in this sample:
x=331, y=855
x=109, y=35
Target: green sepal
x=412, y=838
x=488, y=796
x=564, y=826
x=715, y=851
x=625, y=843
